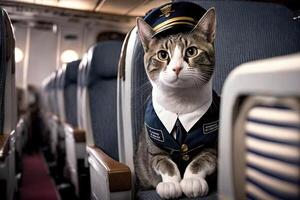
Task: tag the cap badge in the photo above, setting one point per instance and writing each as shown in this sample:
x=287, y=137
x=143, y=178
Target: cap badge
x=166, y=10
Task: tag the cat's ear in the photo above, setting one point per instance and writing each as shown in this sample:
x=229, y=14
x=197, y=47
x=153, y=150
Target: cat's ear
x=207, y=25
x=145, y=32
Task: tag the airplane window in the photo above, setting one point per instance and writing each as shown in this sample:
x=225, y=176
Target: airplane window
x=69, y=56
x=18, y=55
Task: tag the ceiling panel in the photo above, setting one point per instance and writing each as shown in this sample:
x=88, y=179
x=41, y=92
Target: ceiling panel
x=119, y=6
x=129, y=7
x=78, y=4
x=87, y=5
x=143, y=8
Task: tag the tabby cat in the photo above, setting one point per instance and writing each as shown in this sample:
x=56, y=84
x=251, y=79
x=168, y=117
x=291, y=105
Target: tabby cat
x=180, y=68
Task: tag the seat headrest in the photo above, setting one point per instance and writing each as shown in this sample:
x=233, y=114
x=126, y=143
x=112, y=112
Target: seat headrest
x=71, y=72
x=82, y=68
x=52, y=80
x=60, y=79
x=46, y=84
x=103, y=61
x=250, y=30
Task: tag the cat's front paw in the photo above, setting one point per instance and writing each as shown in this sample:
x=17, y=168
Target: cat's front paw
x=194, y=187
x=169, y=190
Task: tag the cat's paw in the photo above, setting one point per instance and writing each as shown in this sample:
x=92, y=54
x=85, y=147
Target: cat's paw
x=194, y=187
x=169, y=190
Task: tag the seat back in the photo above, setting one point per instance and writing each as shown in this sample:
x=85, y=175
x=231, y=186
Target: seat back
x=99, y=96
x=70, y=92
x=245, y=31
x=52, y=93
x=8, y=105
x=3, y=68
x=260, y=131
x=45, y=94
x=8, y=116
x=133, y=90
x=80, y=85
x=249, y=31
x=60, y=93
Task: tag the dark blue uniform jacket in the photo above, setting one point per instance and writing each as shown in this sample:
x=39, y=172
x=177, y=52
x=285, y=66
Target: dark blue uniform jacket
x=187, y=144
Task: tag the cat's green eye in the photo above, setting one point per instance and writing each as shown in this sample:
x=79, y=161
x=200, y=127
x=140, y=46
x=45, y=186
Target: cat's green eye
x=191, y=52
x=163, y=55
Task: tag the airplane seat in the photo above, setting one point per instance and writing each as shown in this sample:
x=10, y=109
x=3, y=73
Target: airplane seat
x=245, y=31
x=45, y=93
x=70, y=92
x=59, y=120
x=60, y=105
x=52, y=93
x=260, y=130
x=8, y=112
x=74, y=136
x=60, y=93
x=47, y=115
x=46, y=101
x=100, y=121
x=80, y=85
x=47, y=104
x=52, y=120
x=55, y=93
x=100, y=90
x=249, y=31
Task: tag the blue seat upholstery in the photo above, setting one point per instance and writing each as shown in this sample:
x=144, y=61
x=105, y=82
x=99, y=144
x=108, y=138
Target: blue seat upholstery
x=80, y=85
x=8, y=111
x=3, y=67
x=249, y=31
x=245, y=31
x=53, y=93
x=48, y=89
x=262, y=160
x=60, y=93
x=70, y=92
x=101, y=83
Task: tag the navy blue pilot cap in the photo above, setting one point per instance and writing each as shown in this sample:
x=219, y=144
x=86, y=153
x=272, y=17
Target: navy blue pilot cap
x=172, y=18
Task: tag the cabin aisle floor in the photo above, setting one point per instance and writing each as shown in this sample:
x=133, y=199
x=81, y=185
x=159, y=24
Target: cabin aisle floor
x=36, y=183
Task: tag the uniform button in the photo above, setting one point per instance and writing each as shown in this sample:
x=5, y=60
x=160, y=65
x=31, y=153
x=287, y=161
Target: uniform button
x=185, y=157
x=184, y=148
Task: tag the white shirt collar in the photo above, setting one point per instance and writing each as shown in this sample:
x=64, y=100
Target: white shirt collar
x=187, y=120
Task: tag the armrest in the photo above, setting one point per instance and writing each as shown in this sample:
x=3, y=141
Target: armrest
x=5, y=145
x=78, y=134
x=119, y=175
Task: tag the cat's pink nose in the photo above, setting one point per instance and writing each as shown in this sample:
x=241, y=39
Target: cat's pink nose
x=177, y=70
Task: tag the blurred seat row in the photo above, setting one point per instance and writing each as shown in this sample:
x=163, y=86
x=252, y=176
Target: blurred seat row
x=94, y=110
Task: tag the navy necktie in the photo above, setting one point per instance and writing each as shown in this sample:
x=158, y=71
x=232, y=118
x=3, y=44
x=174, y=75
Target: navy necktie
x=180, y=132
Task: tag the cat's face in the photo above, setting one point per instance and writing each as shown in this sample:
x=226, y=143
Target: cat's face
x=182, y=60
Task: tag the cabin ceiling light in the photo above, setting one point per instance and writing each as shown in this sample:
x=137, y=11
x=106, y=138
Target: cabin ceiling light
x=18, y=55
x=68, y=56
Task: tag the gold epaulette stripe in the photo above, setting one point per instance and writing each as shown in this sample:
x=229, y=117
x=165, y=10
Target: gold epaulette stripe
x=167, y=22
x=171, y=24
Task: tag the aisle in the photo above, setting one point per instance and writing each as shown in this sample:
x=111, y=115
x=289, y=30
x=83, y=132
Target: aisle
x=36, y=183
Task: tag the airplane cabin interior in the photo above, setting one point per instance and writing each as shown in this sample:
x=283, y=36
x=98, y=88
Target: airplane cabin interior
x=75, y=87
